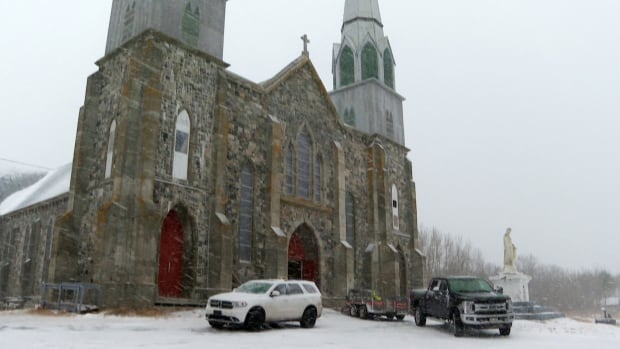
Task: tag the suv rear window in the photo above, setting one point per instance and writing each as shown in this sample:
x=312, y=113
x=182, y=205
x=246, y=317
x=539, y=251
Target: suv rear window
x=294, y=289
x=310, y=288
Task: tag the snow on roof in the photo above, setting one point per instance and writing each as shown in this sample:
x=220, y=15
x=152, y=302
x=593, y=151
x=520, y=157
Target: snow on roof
x=53, y=184
x=10, y=168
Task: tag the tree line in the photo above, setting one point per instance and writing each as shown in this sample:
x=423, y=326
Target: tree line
x=551, y=285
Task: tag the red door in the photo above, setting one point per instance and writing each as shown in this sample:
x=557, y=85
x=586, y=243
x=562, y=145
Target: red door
x=302, y=265
x=171, y=257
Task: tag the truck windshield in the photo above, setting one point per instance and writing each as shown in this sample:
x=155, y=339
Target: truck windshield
x=469, y=285
x=254, y=287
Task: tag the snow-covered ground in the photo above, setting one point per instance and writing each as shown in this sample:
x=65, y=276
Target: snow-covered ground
x=188, y=329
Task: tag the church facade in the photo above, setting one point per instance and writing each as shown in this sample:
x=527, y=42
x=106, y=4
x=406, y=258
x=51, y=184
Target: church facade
x=188, y=180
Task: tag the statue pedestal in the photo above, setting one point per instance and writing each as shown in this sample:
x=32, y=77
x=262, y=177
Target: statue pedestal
x=515, y=285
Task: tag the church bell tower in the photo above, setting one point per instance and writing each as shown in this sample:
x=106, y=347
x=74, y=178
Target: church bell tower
x=197, y=23
x=364, y=78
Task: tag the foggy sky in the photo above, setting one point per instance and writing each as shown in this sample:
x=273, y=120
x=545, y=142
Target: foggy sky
x=511, y=113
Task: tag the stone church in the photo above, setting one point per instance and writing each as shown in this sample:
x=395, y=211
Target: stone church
x=188, y=180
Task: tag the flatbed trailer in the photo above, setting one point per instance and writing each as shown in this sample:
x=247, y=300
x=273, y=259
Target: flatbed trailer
x=367, y=304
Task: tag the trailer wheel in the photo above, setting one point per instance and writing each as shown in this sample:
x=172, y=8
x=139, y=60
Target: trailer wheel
x=353, y=311
x=363, y=312
x=400, y=317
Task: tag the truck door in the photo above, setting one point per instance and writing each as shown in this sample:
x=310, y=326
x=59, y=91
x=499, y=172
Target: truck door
x=438, y=301
x=432, y=297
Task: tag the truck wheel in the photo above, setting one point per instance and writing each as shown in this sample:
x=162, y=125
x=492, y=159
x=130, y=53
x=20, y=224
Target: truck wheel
x=420, y=317
x=504, y=331
x=363, y=312
x=400, y=317
x=456, y=323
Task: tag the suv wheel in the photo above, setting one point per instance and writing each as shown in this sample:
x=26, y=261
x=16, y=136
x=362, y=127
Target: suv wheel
x=308, y=319
x=254, y=320
x=420, y=317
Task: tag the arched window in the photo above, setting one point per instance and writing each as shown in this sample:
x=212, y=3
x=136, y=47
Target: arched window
x=288, y=170
x=190, y=25
x=110, y=152
x=49, y=237
x=347, y=67
x=370, y=62
x=350, y=216
x=318, y=179
x=395, y=219
x=388, y=68
x=181, y=146
x=245, y=214
x=389, y=123
x=130, y=14
x=304, y=166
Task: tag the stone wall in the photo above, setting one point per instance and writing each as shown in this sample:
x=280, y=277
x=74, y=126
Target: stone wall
x=25, y=242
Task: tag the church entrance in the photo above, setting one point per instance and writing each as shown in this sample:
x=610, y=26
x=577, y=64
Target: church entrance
x=303, y=255
x=171, y=257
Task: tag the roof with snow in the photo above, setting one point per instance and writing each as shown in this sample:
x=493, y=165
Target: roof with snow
x=55, y=183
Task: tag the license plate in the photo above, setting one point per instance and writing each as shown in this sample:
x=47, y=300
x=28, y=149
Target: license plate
x=217, y=312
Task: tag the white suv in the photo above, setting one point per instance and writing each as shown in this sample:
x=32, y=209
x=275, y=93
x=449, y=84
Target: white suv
x=266, y=301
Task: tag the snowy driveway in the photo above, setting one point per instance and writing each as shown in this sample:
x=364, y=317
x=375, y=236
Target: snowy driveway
x=188, y=329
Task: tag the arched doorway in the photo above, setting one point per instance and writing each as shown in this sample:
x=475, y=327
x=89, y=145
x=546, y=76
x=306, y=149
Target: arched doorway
x=303, y=255
x=170, y=282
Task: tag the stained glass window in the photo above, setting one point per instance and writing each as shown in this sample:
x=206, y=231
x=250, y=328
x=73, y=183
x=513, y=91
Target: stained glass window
x=388, y=68
x=288, y=171
x=396, y=222
x=318, y=179
x=350, y=216
x=349, y=117
x=389, y=123
x=304, y=169
x=245, y=214
x=190, y=25
x=181, y=146
x=370, y=62
x=130, y=14
x=110, y=152
x=347, y=67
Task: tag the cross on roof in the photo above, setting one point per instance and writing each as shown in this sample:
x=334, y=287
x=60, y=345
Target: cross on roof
x=306, y=42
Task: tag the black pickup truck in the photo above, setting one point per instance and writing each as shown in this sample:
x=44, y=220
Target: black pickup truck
x=464, y=301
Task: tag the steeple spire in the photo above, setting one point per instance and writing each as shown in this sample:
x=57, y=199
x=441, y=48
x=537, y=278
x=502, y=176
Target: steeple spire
x=364, y=73
x=362, y=9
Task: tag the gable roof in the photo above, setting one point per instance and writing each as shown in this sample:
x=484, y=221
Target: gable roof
x=290, y=70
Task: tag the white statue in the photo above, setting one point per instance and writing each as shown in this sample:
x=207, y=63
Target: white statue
x=510, y=254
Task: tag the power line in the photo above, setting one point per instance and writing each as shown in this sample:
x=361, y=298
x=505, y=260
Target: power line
x=25, y=164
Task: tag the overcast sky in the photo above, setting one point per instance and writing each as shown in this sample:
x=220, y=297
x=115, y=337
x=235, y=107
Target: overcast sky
x=512, y=110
